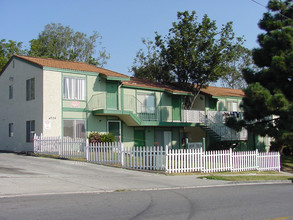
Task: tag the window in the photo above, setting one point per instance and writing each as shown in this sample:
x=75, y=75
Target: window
x=10, y=129
x=232, y=106
x=73, y=88
x=30, y=131
x=30, y=89
x=11, y=92
x=74, y=128
x=146, y=103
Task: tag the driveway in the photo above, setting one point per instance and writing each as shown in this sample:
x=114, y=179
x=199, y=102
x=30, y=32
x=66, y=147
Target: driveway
x=25, y=175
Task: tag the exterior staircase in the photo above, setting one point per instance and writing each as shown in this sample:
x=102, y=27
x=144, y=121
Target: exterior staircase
x=220, y=132
x=214, y=124
x=211, y=132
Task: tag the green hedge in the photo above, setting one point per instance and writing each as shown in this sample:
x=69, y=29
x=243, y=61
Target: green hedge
x=95, y=137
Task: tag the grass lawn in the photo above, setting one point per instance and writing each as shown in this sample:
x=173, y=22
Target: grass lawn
x=287, y=163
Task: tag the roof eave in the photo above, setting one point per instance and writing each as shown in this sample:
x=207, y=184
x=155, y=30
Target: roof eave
x=114, y=78
x=21, y=59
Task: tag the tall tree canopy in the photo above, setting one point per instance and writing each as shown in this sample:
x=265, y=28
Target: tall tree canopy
x=147, y=63
x=268, y=104
x=7, y=49
x=62, y=42
x=234, y=78
x=195, y=53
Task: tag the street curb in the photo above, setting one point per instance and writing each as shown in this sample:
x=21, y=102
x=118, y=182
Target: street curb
x=228, y=184
x=262, y=182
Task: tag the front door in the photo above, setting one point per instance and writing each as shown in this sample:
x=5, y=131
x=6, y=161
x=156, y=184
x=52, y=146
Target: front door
x=112, y=95
x=139, y=138
x=114, y=128
x=168, y=139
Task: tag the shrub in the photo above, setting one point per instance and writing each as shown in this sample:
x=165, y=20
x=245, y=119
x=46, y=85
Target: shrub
x=95, y=137
x=107, y=137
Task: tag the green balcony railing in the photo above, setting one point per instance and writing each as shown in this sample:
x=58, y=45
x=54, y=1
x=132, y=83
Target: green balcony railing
x=131, y=104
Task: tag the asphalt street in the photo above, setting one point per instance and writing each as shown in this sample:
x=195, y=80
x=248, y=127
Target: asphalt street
x=253, y=202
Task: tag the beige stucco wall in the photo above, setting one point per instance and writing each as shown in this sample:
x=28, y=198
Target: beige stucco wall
x=18, y=110
x=52, y=98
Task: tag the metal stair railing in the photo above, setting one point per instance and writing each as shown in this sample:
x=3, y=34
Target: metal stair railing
x=222, y=130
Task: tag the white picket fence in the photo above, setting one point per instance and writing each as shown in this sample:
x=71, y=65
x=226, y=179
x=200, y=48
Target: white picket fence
x=140, y=158
x=144, y=158
x=158, y=158
x=64, y=147
x=192, y=160
x=104, y=153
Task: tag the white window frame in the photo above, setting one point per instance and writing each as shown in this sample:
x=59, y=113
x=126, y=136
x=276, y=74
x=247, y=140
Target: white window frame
x=74, y=88
x=74, y=126
x=147, y=101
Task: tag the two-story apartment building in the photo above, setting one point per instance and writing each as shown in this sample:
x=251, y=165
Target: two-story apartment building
x=63, y=98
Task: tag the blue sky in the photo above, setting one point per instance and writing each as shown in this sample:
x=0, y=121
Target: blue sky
x=123, y=23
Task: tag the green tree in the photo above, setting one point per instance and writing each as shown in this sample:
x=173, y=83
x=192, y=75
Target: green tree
x=193, y=54
x=268, y=104
x=7, y=49
x=147, y=63
x=234, y=78
x=62, y=42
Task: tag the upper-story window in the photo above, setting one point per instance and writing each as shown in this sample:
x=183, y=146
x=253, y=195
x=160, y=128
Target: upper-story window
x=146, y=103
x=30, y=89
x=73, y=88
x=11, y=92
x=232, y=106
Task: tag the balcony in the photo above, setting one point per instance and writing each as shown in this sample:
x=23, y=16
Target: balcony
x=135, y=113
x=131, y=110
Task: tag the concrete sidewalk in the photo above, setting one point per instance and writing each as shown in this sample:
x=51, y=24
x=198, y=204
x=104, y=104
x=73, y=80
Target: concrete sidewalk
x=25, y=175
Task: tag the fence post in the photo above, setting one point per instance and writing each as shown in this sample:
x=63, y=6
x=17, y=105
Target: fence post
x=166, y=158
x=201, y=161
x=256, y=158
x=122, y=153
x=279, y=162
x=35, y=143
x=231, y=159
x=87, y=149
